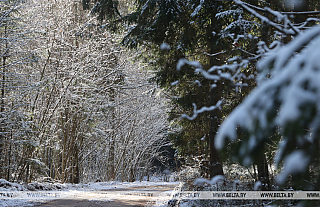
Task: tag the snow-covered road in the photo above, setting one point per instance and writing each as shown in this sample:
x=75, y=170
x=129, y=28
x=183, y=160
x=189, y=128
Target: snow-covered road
x=95, y=194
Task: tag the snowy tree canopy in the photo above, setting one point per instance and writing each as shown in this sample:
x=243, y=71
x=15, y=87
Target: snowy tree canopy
x=285, y=101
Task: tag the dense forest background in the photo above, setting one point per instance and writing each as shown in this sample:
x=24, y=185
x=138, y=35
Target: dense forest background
x=115, y=90
x=74, y=106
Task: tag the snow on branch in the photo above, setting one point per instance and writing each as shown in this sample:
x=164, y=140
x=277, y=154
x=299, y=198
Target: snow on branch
x=288, y=27
x=203, y=109
x=184, y=61
x=305, y=23
x=231, y=72
x=198, y=8
x=228, y=13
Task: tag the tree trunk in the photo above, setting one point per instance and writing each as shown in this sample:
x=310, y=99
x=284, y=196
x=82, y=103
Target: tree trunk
x=131, y=177
x=215, y=95
x=77, y=172
x=263, y=172
x=2, y=145
x=112, y=142
x=215, y=117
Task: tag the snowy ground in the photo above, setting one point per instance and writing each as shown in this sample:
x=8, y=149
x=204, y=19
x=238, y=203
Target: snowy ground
x=157, y=193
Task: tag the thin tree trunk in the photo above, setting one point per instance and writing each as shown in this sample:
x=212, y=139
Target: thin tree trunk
x=4, y=57
x=112, y=144
x=215, y=161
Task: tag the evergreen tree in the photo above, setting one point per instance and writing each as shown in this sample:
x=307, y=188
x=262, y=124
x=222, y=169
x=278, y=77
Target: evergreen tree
x=273, y=112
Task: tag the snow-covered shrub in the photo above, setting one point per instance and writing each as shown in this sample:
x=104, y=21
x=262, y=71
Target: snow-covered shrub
x=189, y=174
x=6, y=185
